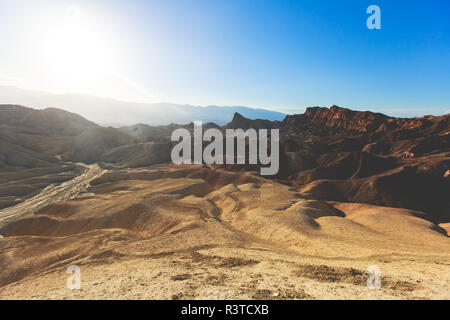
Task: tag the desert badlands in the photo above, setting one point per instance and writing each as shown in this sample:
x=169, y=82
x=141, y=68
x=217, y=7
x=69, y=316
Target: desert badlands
x=358, y=195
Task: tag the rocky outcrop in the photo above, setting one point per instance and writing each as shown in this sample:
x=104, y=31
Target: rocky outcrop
x=240, y=122
x=372, y=158
x=364, y=121
x=338, y=118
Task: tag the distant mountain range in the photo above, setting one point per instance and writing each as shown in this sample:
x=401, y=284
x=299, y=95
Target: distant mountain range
x=110, y=112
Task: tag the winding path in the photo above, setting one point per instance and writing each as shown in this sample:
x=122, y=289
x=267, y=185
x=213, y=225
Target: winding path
x=53, y=193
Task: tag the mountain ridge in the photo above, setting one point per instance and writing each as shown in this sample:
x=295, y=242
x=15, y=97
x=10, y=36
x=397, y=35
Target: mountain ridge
x=106, y=111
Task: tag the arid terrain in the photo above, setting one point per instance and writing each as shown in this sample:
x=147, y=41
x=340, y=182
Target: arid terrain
x=355, y=190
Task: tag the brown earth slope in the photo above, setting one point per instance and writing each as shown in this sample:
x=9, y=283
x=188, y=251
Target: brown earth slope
x=196, y=232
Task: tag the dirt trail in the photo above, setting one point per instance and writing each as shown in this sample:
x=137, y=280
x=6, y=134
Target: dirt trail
x=52, y=194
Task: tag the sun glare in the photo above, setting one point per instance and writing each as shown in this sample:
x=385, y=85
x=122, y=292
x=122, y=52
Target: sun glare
x=77, y=50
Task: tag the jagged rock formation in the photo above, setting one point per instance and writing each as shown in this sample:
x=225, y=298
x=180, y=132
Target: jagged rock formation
x=332, y=153
x=240, y=122
x=371, y=158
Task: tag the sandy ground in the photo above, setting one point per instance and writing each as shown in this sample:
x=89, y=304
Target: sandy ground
x=164, y=232
x=230, y=273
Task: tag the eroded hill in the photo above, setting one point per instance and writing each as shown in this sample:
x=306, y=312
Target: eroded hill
x=196, y=232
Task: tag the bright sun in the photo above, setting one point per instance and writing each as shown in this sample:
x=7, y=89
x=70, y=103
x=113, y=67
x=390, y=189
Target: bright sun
x=76, y=50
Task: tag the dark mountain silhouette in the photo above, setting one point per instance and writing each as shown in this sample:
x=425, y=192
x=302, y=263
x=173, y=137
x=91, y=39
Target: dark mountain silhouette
x=241, y=122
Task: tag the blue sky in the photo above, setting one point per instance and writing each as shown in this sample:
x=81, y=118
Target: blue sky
x=282, y=55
